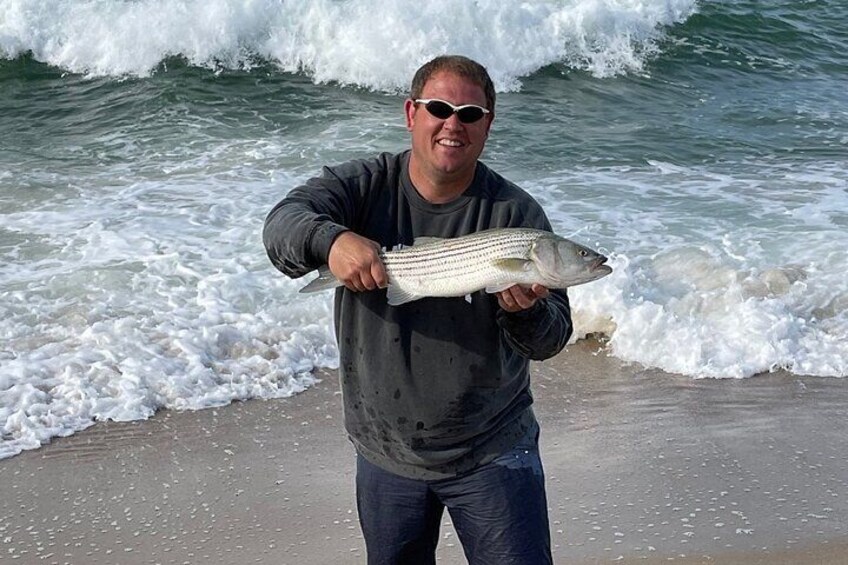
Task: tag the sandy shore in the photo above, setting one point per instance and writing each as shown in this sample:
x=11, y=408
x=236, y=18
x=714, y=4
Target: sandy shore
x=642, y=467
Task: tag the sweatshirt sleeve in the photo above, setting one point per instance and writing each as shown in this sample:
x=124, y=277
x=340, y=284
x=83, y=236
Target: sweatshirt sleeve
x=542, y=331
x=300, y=229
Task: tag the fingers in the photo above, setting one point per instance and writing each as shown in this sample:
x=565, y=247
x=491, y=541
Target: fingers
x=517, y=297
x=355, y=261
x=540, y=291
x=365, y=279
x=378, y=274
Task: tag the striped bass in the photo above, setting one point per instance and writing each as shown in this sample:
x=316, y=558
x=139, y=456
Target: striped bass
x=493, y=260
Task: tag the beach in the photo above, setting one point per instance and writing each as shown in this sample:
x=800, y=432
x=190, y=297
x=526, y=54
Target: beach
x=641, y=467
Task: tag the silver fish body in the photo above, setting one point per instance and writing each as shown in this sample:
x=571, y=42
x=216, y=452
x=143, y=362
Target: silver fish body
x=493, y=260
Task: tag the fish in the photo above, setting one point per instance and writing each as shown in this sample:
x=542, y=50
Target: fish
x=491, y=260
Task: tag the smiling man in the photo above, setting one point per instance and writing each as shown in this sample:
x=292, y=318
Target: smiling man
x=444, y=147
x=436, y=393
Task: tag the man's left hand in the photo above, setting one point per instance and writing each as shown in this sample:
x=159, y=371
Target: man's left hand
x=517, y=298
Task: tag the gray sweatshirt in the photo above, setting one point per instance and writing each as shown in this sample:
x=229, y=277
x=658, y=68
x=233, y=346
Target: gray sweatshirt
x=435, y=387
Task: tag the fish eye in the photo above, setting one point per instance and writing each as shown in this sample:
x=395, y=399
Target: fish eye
x=583, y=253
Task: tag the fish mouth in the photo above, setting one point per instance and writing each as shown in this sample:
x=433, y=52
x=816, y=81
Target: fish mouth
x=599, y=267
x=599, y=263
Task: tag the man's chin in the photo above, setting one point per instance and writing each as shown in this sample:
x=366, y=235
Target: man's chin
x=449, y=172
x=450, y=167
x=453, y=165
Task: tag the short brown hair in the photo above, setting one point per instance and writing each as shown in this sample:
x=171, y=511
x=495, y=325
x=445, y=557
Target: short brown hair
x=460, y=66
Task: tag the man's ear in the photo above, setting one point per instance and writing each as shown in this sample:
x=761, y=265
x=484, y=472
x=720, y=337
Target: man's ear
x=409, y=110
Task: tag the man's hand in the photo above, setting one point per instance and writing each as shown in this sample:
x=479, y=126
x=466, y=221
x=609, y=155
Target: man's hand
x=517, y=297
x=355, y=261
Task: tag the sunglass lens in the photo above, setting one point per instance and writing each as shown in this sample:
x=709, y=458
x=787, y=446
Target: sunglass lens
x=439, y=109
x=469, y=115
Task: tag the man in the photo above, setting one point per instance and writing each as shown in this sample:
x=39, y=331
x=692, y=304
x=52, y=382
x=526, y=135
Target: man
x=436, y=392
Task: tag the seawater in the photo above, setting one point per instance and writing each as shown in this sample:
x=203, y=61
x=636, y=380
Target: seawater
x=702, y=145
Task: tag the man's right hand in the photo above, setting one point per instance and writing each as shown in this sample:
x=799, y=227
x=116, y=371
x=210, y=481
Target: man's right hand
x=355, y=261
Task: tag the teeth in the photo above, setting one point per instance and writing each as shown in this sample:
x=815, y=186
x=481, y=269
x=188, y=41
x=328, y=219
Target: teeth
x=450, y=142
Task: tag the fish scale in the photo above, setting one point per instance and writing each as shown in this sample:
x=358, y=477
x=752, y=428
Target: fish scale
x=492, y=260
x=458, y=266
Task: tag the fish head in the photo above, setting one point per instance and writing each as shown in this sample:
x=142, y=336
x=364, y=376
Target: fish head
x=563, y=263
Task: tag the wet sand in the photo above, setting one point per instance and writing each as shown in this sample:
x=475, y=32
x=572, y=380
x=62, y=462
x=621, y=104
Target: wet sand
x=642, y=467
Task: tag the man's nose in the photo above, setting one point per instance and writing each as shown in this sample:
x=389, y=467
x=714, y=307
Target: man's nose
x=452, y=122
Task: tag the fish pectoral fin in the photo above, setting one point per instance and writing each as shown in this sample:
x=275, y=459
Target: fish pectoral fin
x=325, y=280
x=512, y=264
x=398, y=296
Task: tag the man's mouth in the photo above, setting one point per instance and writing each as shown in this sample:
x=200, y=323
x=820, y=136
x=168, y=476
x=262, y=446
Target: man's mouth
x=450, y=143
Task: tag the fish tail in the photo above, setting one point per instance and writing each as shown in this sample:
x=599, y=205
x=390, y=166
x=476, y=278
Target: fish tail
x=325, y=280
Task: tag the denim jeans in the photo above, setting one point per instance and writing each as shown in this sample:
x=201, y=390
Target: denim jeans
x=499, y=511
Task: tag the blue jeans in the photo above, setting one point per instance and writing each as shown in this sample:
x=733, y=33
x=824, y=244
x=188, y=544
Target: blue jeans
x=499, y=510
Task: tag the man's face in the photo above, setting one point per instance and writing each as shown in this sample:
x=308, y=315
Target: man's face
x=447, y=149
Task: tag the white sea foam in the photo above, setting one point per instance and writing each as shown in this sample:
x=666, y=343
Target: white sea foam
x=716, y=275
x=338, y=40
x=146, y=296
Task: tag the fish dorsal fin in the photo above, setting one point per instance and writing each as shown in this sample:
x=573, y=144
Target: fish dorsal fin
x=424, y=240
x=398, y=296
x=325, y=280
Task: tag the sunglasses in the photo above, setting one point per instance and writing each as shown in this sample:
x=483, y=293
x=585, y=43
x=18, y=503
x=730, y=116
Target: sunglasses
x=467, y=113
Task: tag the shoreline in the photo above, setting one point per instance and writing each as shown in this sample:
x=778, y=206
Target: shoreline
x=641, y=467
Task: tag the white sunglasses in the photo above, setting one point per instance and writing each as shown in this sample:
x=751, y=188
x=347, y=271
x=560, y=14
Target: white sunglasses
x=467, y=113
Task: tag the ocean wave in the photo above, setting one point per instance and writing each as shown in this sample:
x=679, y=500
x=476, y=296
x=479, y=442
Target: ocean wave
x=801, y=38
x=717, y=272
x=372, y=44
